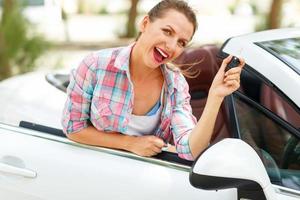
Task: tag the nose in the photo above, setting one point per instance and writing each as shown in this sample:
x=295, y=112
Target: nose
x=171, y=45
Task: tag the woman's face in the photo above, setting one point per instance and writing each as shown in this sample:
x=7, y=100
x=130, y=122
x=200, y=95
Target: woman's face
x=164, y=39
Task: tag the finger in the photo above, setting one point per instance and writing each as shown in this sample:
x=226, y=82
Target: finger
x=232, y=88
x=242, y=62
x=232, y=77
x=150, y=153
x=147, y=153
x=156, y=149
x=225, y=62
x=235, y=70
x=158, y=142
x=227, y=59
x=232, y=83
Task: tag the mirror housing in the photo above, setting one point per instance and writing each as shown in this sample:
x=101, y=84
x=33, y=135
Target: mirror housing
x=232, y=163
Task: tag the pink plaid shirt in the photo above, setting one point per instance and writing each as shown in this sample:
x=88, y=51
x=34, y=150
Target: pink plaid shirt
x=101, y=93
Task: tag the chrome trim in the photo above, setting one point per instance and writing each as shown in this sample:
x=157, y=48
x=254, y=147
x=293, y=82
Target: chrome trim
x=99, y=149
x=287, y=191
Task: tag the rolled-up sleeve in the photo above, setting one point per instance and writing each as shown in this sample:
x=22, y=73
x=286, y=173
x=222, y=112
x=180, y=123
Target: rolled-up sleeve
x=182, y=121
x=76, y=112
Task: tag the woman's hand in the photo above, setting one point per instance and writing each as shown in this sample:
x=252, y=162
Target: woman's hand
x=226, y=83
x=146, y=145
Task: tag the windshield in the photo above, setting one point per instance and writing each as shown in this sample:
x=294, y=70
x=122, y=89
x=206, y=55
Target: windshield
x=287, y=50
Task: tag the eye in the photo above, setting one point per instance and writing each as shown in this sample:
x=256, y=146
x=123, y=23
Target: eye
x=167, y=32
x=181, y=43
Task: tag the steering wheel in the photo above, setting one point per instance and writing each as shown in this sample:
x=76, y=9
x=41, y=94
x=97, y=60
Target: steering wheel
x=290, y=152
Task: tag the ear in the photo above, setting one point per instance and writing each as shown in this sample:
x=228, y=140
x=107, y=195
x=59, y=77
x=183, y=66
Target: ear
x=144, y=23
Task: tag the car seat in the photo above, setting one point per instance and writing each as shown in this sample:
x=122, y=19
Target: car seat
x=204, y=59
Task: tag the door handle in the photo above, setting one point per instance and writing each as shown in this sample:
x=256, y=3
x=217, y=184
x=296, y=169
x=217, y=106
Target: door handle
x=17, y=170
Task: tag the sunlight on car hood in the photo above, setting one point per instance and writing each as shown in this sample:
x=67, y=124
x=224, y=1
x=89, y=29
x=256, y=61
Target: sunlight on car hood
x=30, y=97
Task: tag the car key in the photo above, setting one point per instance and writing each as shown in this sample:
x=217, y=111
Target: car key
x=234, y=62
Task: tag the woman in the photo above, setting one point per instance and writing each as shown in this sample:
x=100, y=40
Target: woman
x=128, y=98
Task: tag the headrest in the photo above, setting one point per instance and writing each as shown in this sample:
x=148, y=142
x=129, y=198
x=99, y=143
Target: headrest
x=202, y=58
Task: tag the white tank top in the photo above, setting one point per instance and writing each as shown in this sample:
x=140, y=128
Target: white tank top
x=139, y=125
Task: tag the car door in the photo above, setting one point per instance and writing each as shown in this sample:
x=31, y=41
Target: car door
x=268, y=121
x=36, y=165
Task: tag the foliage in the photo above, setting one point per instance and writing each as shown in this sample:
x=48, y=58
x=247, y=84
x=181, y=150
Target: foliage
x=103, y=11
x=261, y=22
x=132, y=14
x=20, y=46
x=270, y=19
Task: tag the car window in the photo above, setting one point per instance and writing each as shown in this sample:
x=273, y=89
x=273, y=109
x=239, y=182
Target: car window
x=274, y=137
x=287, y=50
x=254, y=87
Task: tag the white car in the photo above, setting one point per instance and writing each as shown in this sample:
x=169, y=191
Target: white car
x=263, y=161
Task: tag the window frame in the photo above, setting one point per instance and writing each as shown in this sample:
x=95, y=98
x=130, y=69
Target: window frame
x=269, y=114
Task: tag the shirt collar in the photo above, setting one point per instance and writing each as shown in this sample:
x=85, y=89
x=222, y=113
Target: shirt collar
x=122, y=57
x=169, y=76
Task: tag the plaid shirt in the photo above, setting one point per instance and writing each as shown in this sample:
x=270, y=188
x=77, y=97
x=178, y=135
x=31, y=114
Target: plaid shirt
x=101, y=93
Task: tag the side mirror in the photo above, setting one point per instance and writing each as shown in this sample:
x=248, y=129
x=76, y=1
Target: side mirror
x=232, y=163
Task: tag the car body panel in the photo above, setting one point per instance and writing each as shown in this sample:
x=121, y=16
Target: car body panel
x=96, y=167
x=63, y=169
x=19, y=93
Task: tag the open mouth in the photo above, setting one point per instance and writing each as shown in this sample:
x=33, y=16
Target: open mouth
x=159, y=55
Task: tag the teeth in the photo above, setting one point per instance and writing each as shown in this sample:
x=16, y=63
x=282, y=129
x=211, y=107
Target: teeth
x=161, y=52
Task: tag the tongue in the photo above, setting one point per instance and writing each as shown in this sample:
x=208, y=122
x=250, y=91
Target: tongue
x=158, y=57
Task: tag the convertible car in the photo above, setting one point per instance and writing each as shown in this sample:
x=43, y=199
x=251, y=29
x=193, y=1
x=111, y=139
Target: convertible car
x=254, y=152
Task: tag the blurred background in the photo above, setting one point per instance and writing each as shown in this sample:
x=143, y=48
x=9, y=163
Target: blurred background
x=56, y=34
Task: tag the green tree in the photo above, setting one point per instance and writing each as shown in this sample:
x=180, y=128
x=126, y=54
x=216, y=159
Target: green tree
x=132, y=14
x=19, y=46
x=269, y=19
x=274, y=18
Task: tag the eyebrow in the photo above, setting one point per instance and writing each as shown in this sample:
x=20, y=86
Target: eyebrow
x=187, y=41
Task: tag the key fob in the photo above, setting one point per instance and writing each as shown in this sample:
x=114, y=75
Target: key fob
x=234, y=62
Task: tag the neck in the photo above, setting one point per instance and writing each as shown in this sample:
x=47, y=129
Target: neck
x=138, y=69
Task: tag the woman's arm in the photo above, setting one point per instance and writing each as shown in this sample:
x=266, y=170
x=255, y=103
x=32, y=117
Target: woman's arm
x=200, y=137
x=92, y=136
x=223, y=84
x=76, y=112
x=142, y=145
